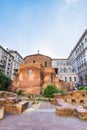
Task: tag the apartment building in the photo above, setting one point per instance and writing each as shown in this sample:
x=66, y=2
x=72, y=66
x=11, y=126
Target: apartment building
x=64, y=71
x=10, y=61
x=78, y=58
x=6, y=62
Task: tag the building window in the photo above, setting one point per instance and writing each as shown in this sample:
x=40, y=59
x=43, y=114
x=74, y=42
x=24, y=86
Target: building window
x=74, y=78
x=82, y=45
x=69, y=69
x=85, y=39
x=56, y=70
x=29, y=72
x=60, y=70
x=65, y=79
x=70, y=79
x=45, y=63
x=33, y=61
x=64, y=70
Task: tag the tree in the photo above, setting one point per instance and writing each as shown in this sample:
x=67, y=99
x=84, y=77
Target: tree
x=4, y=81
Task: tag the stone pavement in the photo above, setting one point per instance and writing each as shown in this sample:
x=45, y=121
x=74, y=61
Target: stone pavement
x=41, y=117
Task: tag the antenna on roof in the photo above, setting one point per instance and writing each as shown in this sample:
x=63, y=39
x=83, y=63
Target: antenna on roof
x=38, y=51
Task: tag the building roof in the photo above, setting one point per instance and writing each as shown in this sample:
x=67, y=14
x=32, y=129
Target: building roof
x=84, y=33
x=37, y=54
x=5, y=50
x=60, y=59
x=12, y=51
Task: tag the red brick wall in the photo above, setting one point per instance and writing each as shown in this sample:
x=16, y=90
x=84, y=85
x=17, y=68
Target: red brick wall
x=38, y=58
x=29, y=83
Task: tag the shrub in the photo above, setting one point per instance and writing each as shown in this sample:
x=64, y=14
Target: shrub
x=85, y=88
x=50, y=90
x=19, y=92
x=60, y=91
x=82, y=88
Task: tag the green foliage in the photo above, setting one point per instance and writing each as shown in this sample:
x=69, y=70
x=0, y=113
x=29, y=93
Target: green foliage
x=60, y=91
x=82, y=88
x=85, y=88
x=4, y=81
x=19, y=92
x=50, y=90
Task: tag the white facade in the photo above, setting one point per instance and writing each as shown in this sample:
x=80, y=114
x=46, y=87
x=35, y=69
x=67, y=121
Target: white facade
x=78, y=58
x=6, y=62
x=64, y=71
x=10, y=61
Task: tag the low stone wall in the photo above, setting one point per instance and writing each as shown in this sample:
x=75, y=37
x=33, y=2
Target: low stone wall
x=76, y=98
x=66, y=109
x=5, y=94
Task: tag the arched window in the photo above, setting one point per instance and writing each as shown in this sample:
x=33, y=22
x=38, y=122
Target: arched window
x=70, y=79
x=74, y=78
x=60, y=70
x=29, y=72
x=33, y=61
x=69, y=69
x=45, y=63
x=73, y=101
x=64, y=70
x=65, y=79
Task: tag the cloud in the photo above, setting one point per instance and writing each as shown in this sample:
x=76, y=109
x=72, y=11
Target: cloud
x=71, y=1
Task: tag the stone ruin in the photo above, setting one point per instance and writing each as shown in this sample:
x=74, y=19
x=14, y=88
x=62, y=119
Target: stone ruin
x=72, y=104
x=77, y=98
x=10, y=103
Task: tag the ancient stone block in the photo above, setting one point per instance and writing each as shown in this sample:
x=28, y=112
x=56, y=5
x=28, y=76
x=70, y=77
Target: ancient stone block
x=2, y=101
x=69, y=110
x=1, y=112
x=65, y=111
x=11, y=100
x=82, y=113
x=17, y=108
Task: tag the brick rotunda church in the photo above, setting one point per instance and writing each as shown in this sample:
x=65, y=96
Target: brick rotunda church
x=35, y=74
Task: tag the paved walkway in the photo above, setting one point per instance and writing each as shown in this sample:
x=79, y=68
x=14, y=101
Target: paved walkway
x=41, y=117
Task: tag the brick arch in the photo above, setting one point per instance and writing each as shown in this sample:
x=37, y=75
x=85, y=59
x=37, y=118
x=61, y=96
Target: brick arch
x=73, y=101
x=81, y=102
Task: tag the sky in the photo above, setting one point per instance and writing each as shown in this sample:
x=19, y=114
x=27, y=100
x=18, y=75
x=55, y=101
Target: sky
x=51, y=26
